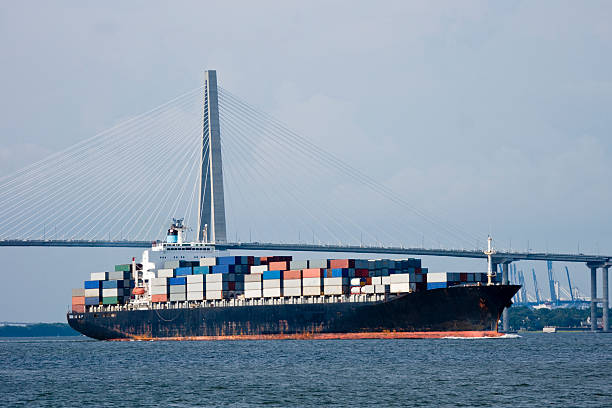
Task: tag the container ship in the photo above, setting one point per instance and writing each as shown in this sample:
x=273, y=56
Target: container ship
x=183, y=291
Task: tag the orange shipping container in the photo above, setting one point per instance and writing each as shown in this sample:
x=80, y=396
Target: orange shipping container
x=159, y=298
x=78, y=308
x=278, y=266
x=311, y=273
x=341, y=263
x=78, y=300
x=292, y=275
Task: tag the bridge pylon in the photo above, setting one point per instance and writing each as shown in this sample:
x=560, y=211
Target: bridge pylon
x=211, y=217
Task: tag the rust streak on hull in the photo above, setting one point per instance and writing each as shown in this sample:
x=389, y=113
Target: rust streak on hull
x=329, y=336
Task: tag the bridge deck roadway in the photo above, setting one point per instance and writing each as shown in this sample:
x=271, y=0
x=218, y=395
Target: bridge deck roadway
x=499, y=257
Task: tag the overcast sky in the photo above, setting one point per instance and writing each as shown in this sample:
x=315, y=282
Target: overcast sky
x=495, y=114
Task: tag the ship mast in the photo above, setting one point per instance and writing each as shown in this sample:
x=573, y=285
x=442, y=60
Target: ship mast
x=489, y=253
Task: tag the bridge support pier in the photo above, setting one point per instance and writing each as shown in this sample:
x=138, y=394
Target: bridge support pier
x=593, y=298
x=605, y=299
x=505, y=281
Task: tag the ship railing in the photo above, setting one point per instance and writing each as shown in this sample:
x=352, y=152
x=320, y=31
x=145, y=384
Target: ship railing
x=241, y=302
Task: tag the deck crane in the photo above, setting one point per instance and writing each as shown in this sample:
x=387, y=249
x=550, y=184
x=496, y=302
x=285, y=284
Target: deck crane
x=569, y=282
x=551, y=282
x=535, y=285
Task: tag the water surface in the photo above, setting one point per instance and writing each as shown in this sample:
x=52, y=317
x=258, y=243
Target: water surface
x=562, y=369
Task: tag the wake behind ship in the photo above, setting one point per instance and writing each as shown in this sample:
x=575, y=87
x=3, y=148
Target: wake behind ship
x=191, y=291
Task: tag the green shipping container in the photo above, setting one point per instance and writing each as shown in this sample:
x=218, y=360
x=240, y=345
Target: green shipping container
x=200, y=270
x=124, y=268
x=112, y=300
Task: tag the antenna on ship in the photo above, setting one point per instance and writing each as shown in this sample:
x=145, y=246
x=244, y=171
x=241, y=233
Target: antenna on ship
x=489, y=253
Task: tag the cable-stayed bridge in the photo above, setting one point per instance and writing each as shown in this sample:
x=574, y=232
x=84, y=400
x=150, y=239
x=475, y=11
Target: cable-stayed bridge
x=202, y=158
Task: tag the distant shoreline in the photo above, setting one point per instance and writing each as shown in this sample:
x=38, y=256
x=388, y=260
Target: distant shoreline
x=37, y=330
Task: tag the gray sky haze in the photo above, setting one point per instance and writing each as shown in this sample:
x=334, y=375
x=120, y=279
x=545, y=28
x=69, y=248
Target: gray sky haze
x=491, y=115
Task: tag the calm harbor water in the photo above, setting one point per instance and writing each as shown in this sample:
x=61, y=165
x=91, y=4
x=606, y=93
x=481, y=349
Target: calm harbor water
x=563, y=369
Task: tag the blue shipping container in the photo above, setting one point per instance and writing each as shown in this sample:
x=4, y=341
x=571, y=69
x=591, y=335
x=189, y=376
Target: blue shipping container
x=92, y=284
x=222, y=268
x=177, y=281
x=228, y=260
x=112, y=284
x=272, y=275
x=436, y=285
x=183, y=271
x=91, y=301
x=200, y=270
x=339, y=273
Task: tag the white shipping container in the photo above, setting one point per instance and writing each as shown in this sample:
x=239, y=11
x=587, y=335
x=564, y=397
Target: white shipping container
x=259, y=268
x=195, y=295
x=215, y=294
x=99, y=276
x=165, y=273
x=437, y=277
x=208, y=261
x=402, y=278
x=252, y=293
x=195, y=279
x=111, y=292
x=335, y=281
x=377, y=280
x=92, y=292
x=311, y=290
x=297, y=265
x=292, y=291
x=402, y=287
x=178, y=289
x=195, y=287
x=252, y=285
x=335, y=290
x=367, y=289
x=355, y=290
x=292, y=283
x=159, y=290
x=385, y=280
x=159, y=281
x=217, y=286
x=78, y=292
x=381, y=288
x=318, y=263
x=312, y=282
x=271, y=283
x=178, y=297
x=272, y=292
x=214, y=277
x=253, y=277
x=356, y=282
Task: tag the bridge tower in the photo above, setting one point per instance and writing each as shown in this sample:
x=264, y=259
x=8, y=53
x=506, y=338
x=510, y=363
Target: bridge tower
x=211, y=218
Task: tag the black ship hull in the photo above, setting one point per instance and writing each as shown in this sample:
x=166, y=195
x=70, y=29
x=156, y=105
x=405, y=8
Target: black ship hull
x=473, y=309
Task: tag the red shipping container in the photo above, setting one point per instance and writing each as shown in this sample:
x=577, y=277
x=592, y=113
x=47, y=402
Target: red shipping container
x=341, y=263
x=418, y=270
x=78, y=300
x=296, y=274
x=278, y=266
x=368, y=281
x=463, y=277
x=159, y=298
x=250, y=260
x=362, y=273
x=78, y=308
x=311, y=273
x=231, y=285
